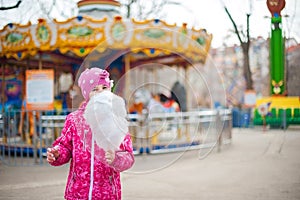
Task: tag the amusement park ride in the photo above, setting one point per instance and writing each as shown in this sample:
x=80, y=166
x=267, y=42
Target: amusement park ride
x=282, y=110
x=119, y=43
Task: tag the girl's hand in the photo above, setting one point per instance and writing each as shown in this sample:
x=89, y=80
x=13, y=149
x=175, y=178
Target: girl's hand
x=52, y=154
x=110, y=156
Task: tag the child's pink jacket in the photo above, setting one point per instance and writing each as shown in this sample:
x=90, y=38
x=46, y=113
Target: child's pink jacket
x=75, y=144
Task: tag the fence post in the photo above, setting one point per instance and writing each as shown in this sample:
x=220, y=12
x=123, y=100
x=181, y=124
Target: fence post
x=148, y=133
x=230, y=124
x=284, y=123
x=219, y=129
x=40, y=136
x=34, y=138
x=4, y=128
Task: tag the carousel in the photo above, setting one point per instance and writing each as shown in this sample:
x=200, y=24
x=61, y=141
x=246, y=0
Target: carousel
x=132, y=51
x=98, y=35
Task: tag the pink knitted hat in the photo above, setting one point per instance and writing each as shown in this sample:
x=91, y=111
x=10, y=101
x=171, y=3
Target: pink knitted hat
x=92, y=77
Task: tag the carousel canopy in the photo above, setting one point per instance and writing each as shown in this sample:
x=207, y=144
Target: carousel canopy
x=98, y=2
x=98, y=8
x=81, y=35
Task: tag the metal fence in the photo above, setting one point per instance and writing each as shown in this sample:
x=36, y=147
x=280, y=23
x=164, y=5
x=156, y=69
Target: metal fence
x=180, y=131
x=25, y=136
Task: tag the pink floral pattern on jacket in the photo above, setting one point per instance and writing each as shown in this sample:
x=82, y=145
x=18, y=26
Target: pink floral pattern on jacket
x=74, y=144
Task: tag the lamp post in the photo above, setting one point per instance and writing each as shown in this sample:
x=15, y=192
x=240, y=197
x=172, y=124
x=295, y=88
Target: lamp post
x=277, y=80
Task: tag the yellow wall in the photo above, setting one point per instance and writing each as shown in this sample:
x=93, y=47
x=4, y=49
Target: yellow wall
x=280, y=102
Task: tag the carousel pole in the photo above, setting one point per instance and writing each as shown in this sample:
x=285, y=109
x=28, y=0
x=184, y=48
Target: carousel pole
x=186, y=84
x=127, y=78
x=2, y=86
x=26, y=113
x=40, y=61
x=3, y=104
x=155, y=80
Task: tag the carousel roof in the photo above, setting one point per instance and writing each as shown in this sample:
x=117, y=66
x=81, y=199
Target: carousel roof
x=97, y=2
x=81, y=35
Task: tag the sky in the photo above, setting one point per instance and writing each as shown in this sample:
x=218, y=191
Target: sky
x=208, y=14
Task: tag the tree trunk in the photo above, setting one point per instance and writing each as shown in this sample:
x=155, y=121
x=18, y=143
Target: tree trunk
x=246, y=67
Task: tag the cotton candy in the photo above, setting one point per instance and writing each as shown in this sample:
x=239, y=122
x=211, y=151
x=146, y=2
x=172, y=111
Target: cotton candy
x=106, y=115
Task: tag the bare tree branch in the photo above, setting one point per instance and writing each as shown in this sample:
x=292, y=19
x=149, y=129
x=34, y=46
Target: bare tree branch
x=11, y=7
x=245, y=45
x=234, y=25
x=145, y=9
x=128, y=6
x=46, y=11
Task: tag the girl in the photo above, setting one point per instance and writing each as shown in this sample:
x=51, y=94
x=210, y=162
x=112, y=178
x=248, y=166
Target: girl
x=94, y=173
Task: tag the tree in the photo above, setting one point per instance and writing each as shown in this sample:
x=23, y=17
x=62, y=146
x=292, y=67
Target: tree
x=11, y=7
x=25, y=11
x=245, y=45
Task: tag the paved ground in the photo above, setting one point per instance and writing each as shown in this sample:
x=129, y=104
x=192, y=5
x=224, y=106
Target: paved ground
x=256, y=165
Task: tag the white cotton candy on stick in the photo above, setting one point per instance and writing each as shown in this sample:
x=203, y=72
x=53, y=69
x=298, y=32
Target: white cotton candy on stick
x=106, y=115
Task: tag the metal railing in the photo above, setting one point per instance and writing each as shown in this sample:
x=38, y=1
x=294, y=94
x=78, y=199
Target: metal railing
x=24, y=142
x=171, y=132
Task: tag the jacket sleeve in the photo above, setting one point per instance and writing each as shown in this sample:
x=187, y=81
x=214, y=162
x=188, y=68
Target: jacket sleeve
x=64, y=143
x=124, y=158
